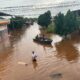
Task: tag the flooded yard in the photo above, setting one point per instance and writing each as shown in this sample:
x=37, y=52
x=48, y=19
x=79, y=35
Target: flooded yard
x=61, y=61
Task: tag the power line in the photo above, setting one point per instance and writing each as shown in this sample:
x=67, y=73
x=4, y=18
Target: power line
x=35, y=7
x=32, y=9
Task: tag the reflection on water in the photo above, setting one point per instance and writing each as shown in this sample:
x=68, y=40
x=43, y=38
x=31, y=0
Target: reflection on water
x=35, y=64
x=76, y=41
x=16, y=35
x=65, y=49
x=77, y=46
x=51, y=59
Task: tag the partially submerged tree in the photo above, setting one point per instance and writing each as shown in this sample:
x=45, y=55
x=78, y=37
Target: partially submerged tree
x=71, y=23
x=45, y=19
x=66, y=24
x=59, y=23
x=16, y=23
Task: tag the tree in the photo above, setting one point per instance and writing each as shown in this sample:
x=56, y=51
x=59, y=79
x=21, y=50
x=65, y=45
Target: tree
x=66, y=24
x=70, y=23
x=16, y=23
x=59, y=22
x=45, y=19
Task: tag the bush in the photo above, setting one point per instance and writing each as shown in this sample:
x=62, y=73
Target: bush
x=16, y=23
x=51, y=28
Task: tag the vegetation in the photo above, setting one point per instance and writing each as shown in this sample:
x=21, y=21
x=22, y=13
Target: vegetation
x=78, y=18
x=66, y=24
x=16, y=23
x=59, y=23
x=62, y=24
x=51, y=28
x=45, y=19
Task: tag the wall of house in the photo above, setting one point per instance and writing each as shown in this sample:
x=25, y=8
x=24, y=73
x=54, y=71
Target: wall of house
x=4, y=38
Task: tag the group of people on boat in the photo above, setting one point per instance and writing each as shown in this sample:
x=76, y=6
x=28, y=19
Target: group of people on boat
x=43, y=39
x=40, y=37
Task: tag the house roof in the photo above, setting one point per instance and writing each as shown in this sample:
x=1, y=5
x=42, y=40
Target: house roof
x=4, y=14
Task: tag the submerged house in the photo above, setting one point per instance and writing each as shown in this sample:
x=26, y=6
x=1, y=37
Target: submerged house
x=4, y=39
x=3, y=28
x=3, y=25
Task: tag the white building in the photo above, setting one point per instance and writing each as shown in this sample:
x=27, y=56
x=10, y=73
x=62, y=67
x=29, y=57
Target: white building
x=4, y=39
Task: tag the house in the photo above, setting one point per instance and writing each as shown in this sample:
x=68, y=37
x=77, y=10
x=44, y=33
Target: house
x=3, y=28
x=4, y=39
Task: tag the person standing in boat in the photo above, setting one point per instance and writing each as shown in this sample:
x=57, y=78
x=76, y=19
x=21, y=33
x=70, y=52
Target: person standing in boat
x=34, y=56
x=43, y=37
x=37, y=37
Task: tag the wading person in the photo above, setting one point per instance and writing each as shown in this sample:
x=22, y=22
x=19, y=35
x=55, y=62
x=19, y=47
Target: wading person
x=34, y=56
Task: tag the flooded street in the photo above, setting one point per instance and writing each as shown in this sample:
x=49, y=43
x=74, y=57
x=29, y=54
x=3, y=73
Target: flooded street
x=61, y=58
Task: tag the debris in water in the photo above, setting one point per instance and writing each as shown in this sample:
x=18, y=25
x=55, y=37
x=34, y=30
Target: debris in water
x=22, y=63
x=56, y=75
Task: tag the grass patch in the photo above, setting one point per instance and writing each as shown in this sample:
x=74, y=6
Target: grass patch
x=50, y=28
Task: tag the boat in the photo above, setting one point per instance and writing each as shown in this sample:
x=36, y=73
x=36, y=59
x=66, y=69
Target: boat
x=42, y=40
x=30, y=22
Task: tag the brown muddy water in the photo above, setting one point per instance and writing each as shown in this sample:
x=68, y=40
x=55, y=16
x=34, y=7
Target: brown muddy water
x=61, y=61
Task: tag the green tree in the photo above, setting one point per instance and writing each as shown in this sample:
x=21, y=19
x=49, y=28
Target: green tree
x=45, y=19
x=66, y=24
x=59, y=23
x=16, y=23
x=70, y=23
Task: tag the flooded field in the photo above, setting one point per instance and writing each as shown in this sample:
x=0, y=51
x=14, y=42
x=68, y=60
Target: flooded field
x=61, y=61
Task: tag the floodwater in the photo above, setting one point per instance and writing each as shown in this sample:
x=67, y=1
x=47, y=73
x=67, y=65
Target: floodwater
x=61, y=61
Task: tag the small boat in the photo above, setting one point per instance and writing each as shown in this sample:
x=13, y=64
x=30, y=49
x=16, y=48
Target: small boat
x=42, y=40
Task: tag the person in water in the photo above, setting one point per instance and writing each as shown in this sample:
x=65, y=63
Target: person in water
x=34, y=56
